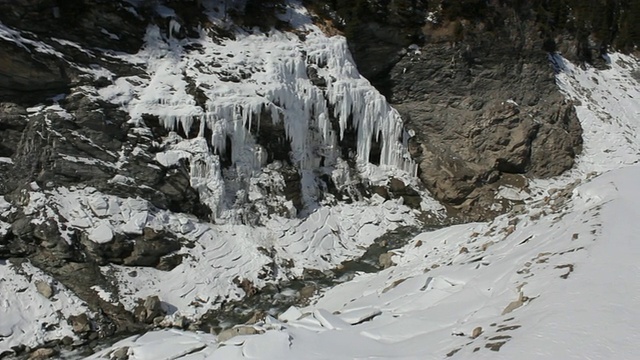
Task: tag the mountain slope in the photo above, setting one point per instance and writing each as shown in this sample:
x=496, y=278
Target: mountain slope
x=168, y=164
x=555, y=280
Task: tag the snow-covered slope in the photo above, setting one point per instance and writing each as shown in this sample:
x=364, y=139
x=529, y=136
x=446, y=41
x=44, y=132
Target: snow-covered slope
x=557, y=280
x=27, y=316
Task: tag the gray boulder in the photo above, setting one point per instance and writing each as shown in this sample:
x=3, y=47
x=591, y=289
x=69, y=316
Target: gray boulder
x=44, y=288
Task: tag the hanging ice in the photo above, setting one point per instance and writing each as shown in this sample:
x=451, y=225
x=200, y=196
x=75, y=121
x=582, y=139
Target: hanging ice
x=259, y=78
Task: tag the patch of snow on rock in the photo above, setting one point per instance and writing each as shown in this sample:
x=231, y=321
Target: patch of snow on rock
x=25, y=313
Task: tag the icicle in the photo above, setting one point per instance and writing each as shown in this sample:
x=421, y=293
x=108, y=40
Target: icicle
x=280, y=87
x=186, y=122
x=174, y=27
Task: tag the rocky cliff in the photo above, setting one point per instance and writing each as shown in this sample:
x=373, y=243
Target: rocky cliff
x=485, y=109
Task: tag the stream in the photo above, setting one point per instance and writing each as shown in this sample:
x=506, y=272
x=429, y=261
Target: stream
x=274, y=299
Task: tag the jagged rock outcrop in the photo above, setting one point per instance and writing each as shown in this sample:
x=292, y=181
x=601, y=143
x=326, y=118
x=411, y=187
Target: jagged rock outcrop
x=89, y=143
x=481, y=107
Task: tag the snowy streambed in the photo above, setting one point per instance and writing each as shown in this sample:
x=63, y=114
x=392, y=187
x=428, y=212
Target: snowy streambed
x=275, y=299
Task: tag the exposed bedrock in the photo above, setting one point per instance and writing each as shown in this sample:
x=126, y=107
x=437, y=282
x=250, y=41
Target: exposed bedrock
x=481, y=100
x=28, y=74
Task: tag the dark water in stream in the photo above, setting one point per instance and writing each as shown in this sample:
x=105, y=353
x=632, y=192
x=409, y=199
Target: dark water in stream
x=274, y=299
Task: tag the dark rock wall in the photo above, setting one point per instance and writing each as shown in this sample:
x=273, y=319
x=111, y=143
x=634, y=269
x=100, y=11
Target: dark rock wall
x=31, y=76
x=484, y=105
x=45, y=146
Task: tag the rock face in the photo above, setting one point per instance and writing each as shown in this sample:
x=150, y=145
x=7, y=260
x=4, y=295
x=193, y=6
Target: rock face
x=480, y=98
x=92, y=132
x=78, y=142
x=476, y=127
x=28, y=76
x=19, y=73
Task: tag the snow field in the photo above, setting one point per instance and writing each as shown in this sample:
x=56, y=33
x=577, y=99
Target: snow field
x=28, y=317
